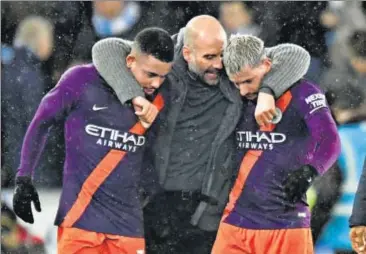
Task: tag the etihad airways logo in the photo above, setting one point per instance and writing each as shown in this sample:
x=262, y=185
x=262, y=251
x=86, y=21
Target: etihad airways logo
x=115, y=138
x=258, y=140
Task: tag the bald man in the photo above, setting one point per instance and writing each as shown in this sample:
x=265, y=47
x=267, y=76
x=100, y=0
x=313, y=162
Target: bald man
x=199, y=36
x=193, y=155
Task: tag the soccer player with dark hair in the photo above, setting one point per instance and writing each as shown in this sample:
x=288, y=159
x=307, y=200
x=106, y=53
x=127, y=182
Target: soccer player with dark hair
x=267, y=210
x=100, y=209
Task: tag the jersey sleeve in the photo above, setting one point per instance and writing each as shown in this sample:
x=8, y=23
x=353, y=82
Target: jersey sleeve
x=310, y=100
x=54, y=106
x=323, y=146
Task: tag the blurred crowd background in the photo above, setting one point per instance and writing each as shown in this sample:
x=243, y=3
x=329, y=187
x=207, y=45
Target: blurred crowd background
x=40, y=40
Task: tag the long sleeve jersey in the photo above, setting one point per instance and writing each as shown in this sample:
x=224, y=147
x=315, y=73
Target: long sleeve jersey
x=104, y=153
x=306, y=134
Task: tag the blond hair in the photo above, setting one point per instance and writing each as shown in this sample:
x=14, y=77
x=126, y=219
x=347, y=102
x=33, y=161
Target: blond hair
x=243, y=51
x=30, y=31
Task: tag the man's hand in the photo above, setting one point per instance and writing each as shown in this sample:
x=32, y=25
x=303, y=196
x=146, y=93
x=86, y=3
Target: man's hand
x=358, y=239
x=265, y=110
x=145, y=110
x=24, y=194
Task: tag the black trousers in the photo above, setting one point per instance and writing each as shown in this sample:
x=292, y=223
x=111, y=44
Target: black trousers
x=328, y=189
x=167, y=225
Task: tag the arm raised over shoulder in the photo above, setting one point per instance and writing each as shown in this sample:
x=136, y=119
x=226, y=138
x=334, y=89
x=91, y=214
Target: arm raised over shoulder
x=290, y=63
x=109, y=58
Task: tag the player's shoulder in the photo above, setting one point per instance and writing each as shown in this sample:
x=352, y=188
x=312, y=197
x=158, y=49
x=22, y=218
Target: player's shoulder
x=78, y=76
x=305, y=90
x=308, y=97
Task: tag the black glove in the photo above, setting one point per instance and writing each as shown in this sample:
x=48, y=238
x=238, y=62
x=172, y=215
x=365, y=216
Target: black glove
x=298, y=182
x=24, y=194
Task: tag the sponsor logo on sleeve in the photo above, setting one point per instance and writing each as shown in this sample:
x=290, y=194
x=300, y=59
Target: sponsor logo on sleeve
x=316, y=101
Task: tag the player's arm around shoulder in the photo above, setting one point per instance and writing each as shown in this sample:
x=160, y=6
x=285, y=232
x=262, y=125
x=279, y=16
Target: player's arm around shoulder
x=289, y=63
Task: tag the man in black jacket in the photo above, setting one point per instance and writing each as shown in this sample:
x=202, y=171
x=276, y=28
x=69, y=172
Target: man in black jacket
x=358, y=218
x=194, y=150
x=23, y=85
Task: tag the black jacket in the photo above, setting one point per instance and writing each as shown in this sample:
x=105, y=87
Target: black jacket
x=22, y=87
x=358, y=217
x=220, y=167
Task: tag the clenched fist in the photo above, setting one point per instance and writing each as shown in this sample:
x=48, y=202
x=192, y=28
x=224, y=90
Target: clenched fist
x=265, y=110
x=358, y=239
x=145, y=110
